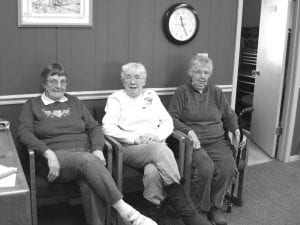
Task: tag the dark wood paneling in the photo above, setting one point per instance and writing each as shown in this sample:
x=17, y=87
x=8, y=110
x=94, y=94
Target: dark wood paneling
x=10, y=49
x=204, y=14
x=141, y=27
x=82, y=59
x=160, y=47
x=118, y=40
x=101, y=38
x=30, y=66
x=123, y=31
x=226, y=41
x=64, y=50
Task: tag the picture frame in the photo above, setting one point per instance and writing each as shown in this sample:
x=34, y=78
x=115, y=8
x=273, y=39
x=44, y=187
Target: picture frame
x=55, y=13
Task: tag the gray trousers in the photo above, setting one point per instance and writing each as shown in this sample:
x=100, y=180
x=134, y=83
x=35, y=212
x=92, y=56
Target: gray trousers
x=160, y=168
x=96, y=183
x=213, y=171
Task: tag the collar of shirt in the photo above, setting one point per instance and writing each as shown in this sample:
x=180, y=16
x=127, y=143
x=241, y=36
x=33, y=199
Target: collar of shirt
x=201, y=92
x=48, y=101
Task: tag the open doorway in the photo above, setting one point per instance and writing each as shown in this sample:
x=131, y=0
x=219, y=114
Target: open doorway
x=248, y=57
x=263, y=69
x=246, y=75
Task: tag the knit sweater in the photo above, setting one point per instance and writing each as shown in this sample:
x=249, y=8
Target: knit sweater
x=207, y=114
x=127, y=118
x=57, y=126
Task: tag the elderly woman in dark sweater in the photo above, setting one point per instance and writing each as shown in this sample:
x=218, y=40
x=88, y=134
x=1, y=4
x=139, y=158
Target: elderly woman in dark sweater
x=201, y=111
x=69, y=144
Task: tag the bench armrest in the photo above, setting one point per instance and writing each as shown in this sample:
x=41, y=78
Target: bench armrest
x=117, y=160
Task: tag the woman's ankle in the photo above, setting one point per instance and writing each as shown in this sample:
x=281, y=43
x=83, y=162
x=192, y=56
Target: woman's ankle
x=123, y=208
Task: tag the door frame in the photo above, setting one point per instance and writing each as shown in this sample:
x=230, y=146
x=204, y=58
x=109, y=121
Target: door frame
x=292, y=86
x=236, y=57
x=292, y=91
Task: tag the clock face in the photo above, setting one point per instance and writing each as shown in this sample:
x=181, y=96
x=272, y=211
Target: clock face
x=181, y=23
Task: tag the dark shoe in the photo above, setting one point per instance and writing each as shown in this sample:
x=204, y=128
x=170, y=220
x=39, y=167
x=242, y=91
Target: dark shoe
x=217, y=217
x=156, y=212
x=183, y=205
x=153, y=211
x=204, y=219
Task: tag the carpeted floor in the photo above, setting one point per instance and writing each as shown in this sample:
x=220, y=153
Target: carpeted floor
x=272, y=197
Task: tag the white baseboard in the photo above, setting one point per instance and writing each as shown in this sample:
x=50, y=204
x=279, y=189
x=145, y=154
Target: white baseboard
x=293, y=158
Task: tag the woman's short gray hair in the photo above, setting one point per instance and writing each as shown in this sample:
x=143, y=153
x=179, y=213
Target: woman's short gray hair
x=51, y=70
x=202, y=59
x=133, y=68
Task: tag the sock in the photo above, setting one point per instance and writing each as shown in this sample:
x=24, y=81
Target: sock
x=123, y=208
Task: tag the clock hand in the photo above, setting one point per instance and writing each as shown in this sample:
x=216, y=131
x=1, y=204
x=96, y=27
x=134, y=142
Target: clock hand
x=183, y=25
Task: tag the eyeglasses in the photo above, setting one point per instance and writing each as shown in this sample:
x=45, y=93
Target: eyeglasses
x=199, y=73
x=136, y=78
x=54, y=83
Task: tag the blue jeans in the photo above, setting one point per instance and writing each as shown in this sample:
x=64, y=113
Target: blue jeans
x=96, y=183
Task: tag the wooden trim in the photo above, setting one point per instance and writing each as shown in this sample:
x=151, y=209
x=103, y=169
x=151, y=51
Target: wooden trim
x=90, y=95
x=236, y=52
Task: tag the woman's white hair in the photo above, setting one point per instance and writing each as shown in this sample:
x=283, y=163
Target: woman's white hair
x=133, y=68
x=202, y=59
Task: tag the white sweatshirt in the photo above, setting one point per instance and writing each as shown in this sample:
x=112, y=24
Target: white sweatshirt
x=127, y=118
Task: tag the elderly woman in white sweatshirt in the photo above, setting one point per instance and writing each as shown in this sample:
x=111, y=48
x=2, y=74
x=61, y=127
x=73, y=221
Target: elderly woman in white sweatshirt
x=136, y=117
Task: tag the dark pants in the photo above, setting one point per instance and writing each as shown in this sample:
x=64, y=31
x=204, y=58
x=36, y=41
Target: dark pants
x=96, y=183
x=213, y=171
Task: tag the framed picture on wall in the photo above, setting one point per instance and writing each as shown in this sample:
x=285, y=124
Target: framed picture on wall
x=56, y=13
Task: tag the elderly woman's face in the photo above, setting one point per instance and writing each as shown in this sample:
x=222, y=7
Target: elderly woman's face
x=55, y=87
x=200, y=73
x=133, y=84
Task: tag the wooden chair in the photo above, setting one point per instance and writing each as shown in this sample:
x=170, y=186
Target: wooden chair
x=241, y=156
x=44, y=193
x=235, y=193
x=237, y=197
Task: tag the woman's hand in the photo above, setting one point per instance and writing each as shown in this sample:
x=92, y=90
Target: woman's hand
x=149, y=138
x=241, y=143
x=146, y=139
x=137, y=141
x=196, y=141
x=99, y=155
x=53, y=165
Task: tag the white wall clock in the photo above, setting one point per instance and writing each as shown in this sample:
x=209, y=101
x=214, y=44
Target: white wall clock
x=180, y=23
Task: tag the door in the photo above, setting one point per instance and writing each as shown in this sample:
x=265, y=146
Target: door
x=271, y=53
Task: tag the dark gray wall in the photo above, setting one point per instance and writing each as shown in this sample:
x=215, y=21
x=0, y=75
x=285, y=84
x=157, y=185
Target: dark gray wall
x=124, y=30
